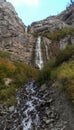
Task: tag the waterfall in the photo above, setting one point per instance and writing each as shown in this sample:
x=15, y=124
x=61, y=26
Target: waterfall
x=38, y=60
x=46, y=48
x=26, y=30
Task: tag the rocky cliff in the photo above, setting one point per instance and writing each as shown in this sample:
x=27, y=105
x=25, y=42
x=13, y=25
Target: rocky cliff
x=52, y=23
x=49, y=24
x=68, y=15
x=13, y=34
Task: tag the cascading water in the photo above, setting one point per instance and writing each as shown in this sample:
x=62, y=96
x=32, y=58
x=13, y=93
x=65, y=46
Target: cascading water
x=26, y=30
x=46, y=48
x=39, y=60
x=31, y=120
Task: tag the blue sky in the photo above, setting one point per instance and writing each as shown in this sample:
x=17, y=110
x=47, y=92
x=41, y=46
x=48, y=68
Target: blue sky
x=35, y=10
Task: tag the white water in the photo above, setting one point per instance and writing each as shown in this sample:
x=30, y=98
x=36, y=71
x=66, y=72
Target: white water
x=39, y=60
x=47, y=55
x=31, y=120
x=26, y=30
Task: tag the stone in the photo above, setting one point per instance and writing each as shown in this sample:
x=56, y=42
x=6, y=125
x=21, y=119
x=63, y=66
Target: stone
x=11, y=109
x=8, y=81
x=43, y=87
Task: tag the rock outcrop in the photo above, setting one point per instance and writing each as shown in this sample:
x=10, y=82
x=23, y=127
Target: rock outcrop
x=53, y=23
x=68, y=15
x=13, y=35
x=49, y=24
x=50, y=48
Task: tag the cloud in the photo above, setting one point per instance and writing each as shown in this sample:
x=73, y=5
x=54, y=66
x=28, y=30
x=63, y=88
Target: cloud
x=32, y=3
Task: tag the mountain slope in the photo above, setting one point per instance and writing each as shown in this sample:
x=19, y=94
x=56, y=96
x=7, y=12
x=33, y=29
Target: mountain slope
x=50, y=42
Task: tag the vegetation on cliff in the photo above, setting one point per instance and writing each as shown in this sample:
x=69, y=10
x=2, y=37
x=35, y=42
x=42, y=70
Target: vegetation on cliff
x=60, y=70
x=57, y=35
x=12, y=75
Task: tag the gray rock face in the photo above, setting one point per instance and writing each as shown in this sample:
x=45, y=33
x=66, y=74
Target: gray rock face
x=56, y=112
x=53, y=23
x=13, y=37
x=2, y=0
x=50, y=48
x=49, y=24
x=68, y=15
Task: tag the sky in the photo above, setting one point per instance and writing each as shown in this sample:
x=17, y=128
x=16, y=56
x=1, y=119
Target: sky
x=34, y=10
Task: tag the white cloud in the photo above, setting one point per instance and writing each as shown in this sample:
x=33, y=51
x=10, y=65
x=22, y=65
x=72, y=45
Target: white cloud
x=26, y=2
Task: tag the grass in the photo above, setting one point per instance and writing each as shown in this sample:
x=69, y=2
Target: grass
x=56, y=36
x=18, y=73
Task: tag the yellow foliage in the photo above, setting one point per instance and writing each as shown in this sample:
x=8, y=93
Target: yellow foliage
x=8, y=64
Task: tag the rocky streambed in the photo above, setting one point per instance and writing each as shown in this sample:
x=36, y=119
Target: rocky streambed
x=44, y=108
x=24, y=116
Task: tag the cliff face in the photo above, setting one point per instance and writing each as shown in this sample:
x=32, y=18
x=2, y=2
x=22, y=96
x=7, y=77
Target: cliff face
x=13, y=35
x=68, y=15
x=53, y=23
x=20, y=41
x=49, y=24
